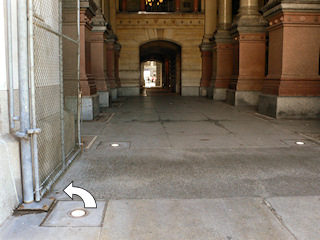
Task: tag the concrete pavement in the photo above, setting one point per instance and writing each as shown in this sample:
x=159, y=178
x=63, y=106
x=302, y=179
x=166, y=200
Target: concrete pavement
x=191, y=168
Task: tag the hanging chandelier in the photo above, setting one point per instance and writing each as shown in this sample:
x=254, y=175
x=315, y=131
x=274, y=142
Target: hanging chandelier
x=153, y=2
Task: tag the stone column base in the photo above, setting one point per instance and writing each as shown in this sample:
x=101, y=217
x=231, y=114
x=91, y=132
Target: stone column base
x=210, y=92
x=203, y=92
x=242, y=98
x=190, y=91
x=119, y=91
x=114, y=94
x=130, y=91
x=220, y=94
x=289, y=107
x=104, y=99
x=90, y=107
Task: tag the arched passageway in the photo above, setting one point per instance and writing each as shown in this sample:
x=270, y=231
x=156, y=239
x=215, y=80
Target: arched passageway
x=168, y=55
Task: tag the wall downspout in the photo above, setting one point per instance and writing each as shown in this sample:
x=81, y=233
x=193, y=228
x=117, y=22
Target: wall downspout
x=11, y=94
x=10, y=68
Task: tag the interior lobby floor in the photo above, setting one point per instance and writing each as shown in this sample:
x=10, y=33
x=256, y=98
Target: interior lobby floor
x=187, y=168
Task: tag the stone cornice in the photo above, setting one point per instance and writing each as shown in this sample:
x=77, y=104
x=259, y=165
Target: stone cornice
x=89, y=6
x=293, y=18
x=273, y=7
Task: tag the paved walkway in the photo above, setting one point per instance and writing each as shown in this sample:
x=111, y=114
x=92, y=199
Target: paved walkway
x=188, y=168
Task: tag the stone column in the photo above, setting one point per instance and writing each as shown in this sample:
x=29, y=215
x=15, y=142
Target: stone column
x=90, y=98
x=98, y=55
x=195, y=5
x=249, y=55
x=222, y=52
x=159, y=74
x=292, y=86
x=143, y=5
x=116, y=68
x=177, y=6
x=206, y=47
x=123, y=5
x=110, y=53
x=206, y=55
x=210, y=18
x=117, y=2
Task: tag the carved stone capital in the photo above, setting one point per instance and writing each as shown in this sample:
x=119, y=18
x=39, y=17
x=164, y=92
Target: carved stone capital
x=222, y=36
x=249, y=20
x=206, y=46
x=99, y=19
x=117, y=47
x=89, y=7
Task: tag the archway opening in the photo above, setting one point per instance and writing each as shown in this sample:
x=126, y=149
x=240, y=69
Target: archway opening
x=166, y=69
x=152, y=74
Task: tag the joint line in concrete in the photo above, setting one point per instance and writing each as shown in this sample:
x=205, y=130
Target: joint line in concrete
x=277, y=216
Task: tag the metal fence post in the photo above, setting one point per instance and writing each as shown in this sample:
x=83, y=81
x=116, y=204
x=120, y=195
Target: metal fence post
x=35, y=131
x=26, y=156
x=79, y=93
x=63, y=154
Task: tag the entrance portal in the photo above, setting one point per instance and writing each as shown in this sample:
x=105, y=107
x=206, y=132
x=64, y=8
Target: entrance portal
x=161, y=65
x=152, y=74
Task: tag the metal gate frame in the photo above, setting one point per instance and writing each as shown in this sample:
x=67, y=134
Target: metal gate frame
x=43, y=185
x=36, y=32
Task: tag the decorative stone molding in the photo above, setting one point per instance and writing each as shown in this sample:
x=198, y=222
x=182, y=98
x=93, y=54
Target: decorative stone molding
x=273, y=7
x=294, y=19
x=159, y=20
x=222, y=36
x=206, y=46
x=248, y=20
x=99, y=19
x=89, y=7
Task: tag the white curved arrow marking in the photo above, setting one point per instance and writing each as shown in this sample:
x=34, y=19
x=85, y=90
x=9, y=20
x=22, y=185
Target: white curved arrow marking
x=87, y=198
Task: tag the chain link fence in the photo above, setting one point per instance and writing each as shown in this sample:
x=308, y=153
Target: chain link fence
x=56, y=68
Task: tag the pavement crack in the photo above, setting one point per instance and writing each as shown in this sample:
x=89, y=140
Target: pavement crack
x=164, y=128
x=219, y=124
x=277, y=216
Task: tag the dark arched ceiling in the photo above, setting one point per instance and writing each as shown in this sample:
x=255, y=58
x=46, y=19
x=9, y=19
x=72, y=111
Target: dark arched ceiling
x=158, y=50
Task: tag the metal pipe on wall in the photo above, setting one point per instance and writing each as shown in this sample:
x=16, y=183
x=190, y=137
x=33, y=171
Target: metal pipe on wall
x=26, y=156
x=11, y=91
